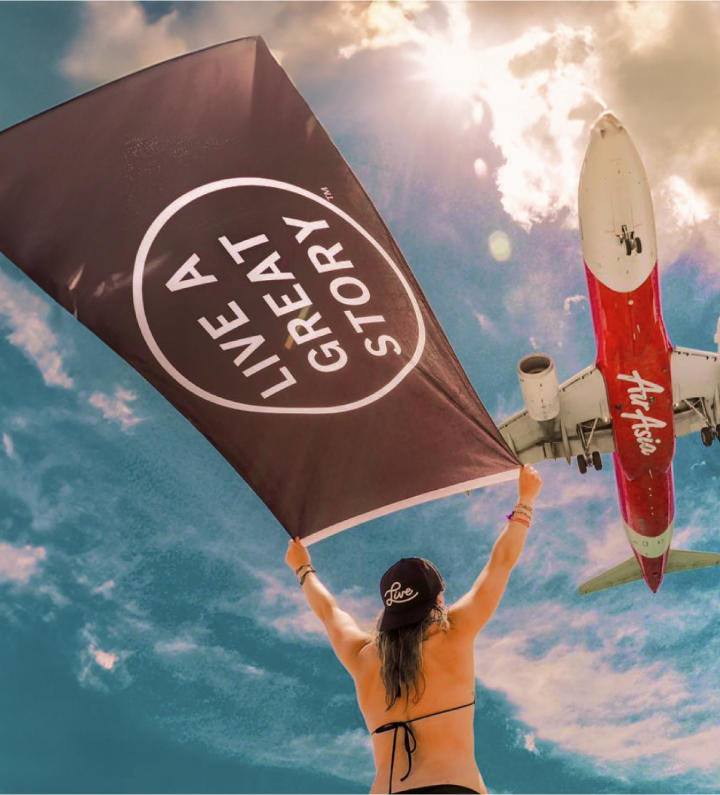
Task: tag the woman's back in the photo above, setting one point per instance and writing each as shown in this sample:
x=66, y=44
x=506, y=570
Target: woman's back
x=445, y=751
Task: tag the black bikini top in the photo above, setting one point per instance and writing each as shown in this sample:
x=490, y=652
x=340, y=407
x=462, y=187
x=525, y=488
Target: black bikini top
x=410, y=741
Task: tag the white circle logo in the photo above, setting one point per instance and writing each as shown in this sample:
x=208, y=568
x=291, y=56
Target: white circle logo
x=257, y=295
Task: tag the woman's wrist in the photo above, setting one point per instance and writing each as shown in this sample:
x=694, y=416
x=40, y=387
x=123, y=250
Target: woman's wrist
x=523, y=511
x=304, y=576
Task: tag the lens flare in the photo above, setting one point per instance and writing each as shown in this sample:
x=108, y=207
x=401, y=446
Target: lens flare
x=500, y=246
x=480, y=168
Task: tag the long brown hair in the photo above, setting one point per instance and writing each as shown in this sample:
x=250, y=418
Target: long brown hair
x=401, y=657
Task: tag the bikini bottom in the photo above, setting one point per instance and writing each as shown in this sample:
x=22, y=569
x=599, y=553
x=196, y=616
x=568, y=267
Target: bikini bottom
x=440, y=788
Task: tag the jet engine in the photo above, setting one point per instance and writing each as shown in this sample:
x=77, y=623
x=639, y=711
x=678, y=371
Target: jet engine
x=539, y=386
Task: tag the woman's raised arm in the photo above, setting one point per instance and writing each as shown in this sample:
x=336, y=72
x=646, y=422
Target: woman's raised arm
x=470, y=613
x=346, y=637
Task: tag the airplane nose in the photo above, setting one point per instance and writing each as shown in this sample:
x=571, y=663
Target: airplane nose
x=607, y=124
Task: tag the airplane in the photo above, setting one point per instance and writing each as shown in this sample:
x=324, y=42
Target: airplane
x=642, y=392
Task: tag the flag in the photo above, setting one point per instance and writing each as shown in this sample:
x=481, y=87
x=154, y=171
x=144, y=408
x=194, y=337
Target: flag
x=199, y=220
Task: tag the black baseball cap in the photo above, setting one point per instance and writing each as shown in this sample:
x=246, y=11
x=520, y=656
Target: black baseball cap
x=409, y=590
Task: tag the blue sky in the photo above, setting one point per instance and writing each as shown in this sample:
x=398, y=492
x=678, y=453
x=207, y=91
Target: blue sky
x=153, y=639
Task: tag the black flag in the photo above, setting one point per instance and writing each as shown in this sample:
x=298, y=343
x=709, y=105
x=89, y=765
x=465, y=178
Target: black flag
x=199, y=220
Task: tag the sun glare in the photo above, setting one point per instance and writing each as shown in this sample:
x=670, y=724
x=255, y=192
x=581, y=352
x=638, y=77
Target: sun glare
x=452, y=67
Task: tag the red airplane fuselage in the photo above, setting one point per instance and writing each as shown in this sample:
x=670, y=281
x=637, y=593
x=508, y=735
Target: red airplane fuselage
x=633, y=355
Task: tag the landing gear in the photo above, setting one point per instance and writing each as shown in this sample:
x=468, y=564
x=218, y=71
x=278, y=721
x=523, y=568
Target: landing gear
x=631, y=242
x=588, y=459
x=707, y=412
x=593, y=460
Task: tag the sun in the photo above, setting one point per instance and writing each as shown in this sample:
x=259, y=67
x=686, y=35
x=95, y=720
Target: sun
x=447, y=60
x=451, y=66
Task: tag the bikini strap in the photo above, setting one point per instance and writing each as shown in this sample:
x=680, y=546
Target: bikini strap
x=441, y=712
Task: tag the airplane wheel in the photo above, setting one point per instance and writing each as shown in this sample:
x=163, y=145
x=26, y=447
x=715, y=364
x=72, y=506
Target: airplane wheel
x=597, y=460
x=706, y=434
x=638, y=245
x=628, y=246
x=582, y=464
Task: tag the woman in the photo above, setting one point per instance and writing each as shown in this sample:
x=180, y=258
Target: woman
x=415, y=679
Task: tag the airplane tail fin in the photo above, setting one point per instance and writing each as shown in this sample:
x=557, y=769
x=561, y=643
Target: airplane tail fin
x=629, y=571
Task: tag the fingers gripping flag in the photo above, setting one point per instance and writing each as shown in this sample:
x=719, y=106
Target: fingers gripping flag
x=198, y=219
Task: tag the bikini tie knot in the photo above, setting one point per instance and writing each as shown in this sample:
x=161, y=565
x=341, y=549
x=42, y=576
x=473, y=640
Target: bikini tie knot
x=410, y=744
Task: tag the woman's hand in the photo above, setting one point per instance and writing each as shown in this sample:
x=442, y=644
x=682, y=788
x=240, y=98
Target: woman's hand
x=529, y=485
x=297, y=554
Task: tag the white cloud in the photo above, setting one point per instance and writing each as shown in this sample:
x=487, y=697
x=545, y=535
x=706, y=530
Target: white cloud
x=565, y=488
x=283, y=606
x=117, y=39
x=116, y=408
x=105, y=659
x=570, y=300
x=8, y=445
x=347, y=754
x=536, y=87
x=176, y=646
x=104, y=589
x=688, y=206
x=54, y=594
x=529, y=742
x=485, y=323
x=19, y=563
x=385, y=24
x=26, y=314
x=608, y=547
x=575, y=695
x=94, y=661
x=225, y=670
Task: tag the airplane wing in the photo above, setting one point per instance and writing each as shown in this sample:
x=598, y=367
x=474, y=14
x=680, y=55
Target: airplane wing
x=696, y=385
x=583, y=423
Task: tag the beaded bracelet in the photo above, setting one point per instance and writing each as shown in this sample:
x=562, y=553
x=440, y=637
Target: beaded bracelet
x=309, y=571
x=522, y=505
x=528, y=516
x=520, y=511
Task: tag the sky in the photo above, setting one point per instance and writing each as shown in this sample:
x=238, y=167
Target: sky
x=153, y=639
